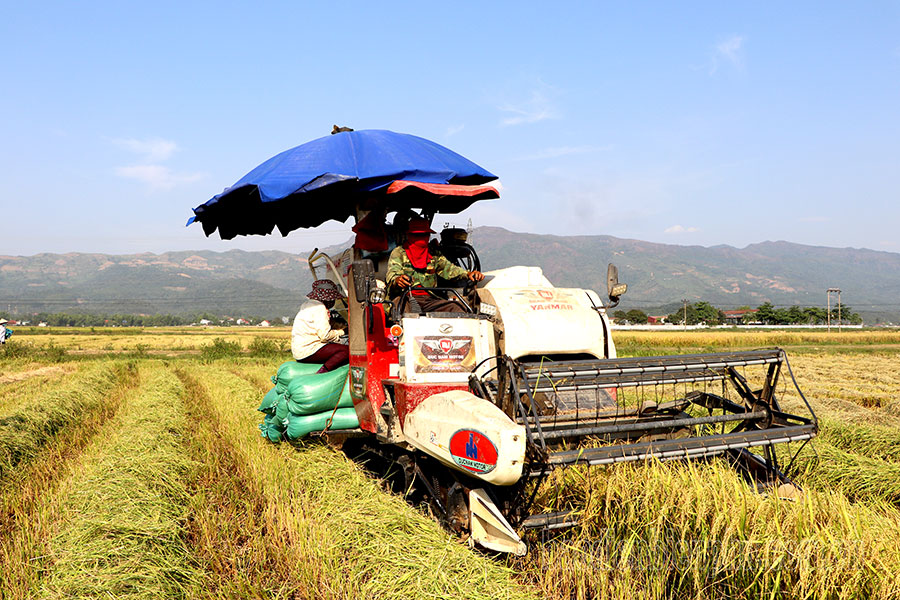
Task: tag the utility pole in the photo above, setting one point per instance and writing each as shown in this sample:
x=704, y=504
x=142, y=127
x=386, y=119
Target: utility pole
x=840, y=320
x=829, y=292
x=684, y=302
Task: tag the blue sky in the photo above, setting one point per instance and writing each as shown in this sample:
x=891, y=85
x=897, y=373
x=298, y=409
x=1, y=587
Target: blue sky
x=685, y=123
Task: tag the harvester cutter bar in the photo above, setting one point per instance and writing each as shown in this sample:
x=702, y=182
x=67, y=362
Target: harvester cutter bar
x=550, y=521
x=708, y=445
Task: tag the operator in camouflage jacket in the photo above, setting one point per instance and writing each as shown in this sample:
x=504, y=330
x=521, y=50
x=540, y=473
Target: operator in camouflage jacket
x=412, y=264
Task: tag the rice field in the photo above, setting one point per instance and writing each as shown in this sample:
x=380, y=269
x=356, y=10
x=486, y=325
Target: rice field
x=131, y=466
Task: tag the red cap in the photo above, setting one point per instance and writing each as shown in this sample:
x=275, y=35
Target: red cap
x=419, y=225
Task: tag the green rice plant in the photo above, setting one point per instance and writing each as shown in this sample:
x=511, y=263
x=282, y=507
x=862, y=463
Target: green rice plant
x=25, y=350
x=269, y=348
x=140, y=351
x=24, y=432
x=697, y=530
x=220, y=348
x=122, y=534
x=355, y=539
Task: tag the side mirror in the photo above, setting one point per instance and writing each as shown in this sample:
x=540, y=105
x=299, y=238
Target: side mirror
x=613, y=287
x=363, y=272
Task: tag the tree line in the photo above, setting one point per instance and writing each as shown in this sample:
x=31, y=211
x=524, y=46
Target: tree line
x=127, y=320
x=765, y=314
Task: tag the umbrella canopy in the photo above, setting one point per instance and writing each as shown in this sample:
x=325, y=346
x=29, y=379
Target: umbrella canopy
x=329, y=177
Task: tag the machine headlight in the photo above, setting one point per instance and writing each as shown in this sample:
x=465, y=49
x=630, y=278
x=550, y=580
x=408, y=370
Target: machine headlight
x=487, y=309
x=618, y=289
x=376, y=296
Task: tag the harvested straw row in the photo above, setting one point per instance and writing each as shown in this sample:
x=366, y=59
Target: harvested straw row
x=873, y=441
x=26, y=388
x=24, y=432
x=122, y=533
x=28, y=510
x=699, y=531
x=364, y=542
x=231, y=529
x=860, y=477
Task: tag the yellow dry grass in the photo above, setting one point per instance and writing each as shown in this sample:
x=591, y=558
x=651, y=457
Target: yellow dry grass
x=95, y=340
x=320, y=527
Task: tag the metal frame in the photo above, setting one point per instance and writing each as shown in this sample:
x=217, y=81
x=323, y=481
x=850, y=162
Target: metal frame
x=755, y=421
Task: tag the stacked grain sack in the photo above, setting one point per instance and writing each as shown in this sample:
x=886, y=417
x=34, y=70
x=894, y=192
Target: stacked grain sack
x=303, y=401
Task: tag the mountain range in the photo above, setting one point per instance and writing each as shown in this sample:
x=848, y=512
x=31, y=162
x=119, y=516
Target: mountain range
x=273, y=283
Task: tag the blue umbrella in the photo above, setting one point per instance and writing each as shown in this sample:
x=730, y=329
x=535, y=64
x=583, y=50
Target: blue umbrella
x=326, y=178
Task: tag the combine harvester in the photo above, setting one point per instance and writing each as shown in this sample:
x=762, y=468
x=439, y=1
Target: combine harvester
x=478, y=407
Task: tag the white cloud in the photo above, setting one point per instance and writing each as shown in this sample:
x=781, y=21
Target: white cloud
x=151, y=150
x=537, y=108
x=728, y=51
x=675, y=229
x=148, y=171
x=157, y=177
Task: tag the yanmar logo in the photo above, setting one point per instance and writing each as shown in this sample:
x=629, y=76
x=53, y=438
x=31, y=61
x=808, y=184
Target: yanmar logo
x=552, y=306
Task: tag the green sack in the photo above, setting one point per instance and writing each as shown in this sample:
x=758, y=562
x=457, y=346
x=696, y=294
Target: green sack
x=269, y=402
x=319, y=392
x=281, y=409
x=300, y=425
x=272, y=429
x=289, y=370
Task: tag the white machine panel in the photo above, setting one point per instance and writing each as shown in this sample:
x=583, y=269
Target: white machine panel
x=547, y=320
x=443, y=350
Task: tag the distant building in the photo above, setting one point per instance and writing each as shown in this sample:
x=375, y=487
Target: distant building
x=657, y=320
x=242, y=322
x=205, y=322
x=736, y=317
x=264, y=324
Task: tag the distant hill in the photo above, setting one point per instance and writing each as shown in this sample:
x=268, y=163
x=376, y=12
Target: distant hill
x=660, y=275
x=273, y=283
x=233, y=282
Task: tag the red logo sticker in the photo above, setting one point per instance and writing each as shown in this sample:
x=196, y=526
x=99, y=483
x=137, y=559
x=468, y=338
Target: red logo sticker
x=545, y=294
x=473, y=451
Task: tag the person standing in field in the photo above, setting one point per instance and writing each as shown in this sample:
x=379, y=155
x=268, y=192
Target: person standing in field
x=312, y=338
x=4, y=332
